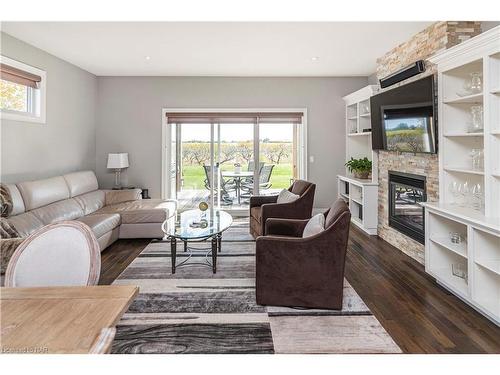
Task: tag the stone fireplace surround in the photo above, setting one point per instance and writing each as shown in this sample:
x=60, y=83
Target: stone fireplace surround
x=437, y=37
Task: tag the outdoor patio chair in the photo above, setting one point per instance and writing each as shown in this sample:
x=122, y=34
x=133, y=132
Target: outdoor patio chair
x=225, y=186
x=250, y=168
x=264, y=181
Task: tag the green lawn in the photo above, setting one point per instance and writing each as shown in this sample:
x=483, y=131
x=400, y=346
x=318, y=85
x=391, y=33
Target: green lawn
x=194, y=175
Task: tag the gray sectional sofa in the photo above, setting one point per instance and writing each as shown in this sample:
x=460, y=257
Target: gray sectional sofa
x=111, y=214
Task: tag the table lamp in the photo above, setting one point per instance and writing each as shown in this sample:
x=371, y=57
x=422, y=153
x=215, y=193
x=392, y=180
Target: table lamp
x=118, y=161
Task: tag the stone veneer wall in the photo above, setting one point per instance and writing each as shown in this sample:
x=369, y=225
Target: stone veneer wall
x=435, y=38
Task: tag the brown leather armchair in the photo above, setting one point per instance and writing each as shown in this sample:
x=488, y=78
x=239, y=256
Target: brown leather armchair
x=303, y=272
x=264, y=207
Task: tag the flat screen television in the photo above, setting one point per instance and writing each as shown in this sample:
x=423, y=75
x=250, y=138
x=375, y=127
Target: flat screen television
x=403, y=119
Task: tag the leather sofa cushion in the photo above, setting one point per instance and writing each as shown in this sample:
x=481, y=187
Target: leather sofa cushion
x=67, y=209
x=43, y=192
x=256, y=213
x=119, y=196
x=25, y=223
x=81, y=182
x=91, y=202
x=17, y=200
x=141, y=211
x=101, y=223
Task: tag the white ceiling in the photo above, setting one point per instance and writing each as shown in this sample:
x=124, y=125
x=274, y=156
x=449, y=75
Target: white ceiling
x=217, y=48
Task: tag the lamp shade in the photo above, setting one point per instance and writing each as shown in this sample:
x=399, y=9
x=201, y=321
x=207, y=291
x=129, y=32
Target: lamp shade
x=117, y=161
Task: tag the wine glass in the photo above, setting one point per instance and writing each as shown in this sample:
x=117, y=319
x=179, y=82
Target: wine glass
x=454, y=191
x=476, y=84
x=477, y=197
x=463, y=191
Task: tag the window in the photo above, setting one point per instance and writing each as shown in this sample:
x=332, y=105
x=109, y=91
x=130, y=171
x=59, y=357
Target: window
x=227, y=156
x=22, y=91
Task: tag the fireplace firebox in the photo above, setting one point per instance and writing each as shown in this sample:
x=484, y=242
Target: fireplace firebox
x=406, y=214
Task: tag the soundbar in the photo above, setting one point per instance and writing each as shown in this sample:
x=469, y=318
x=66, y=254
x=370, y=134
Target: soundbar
x=405, y=73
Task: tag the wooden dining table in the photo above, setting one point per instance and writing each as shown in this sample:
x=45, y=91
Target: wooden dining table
x=61, y=319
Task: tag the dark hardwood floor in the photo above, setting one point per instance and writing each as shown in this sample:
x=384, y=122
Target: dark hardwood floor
x=420, y=315
x=118, y=256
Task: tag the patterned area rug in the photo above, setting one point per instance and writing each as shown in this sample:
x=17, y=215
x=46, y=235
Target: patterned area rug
x=195, y=311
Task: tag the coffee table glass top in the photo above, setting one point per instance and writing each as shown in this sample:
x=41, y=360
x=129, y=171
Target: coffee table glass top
x=212, y=222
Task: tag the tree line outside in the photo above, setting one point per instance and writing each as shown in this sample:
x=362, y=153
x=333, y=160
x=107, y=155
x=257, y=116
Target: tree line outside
x=404, y=137
x=195, y=154
x=12, y=96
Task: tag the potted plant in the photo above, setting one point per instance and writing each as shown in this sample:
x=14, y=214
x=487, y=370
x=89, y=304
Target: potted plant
x=361, y=168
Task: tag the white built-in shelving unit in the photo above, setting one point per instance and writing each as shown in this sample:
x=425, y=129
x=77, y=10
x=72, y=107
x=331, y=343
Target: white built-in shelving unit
x=361, y=195
x=479, y=252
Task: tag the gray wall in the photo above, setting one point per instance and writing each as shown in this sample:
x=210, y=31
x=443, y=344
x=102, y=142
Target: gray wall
x=129, y=119
x=66, y=142
x=372, y=79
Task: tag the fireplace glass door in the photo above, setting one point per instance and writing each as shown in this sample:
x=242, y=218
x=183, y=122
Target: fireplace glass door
x=406, y=213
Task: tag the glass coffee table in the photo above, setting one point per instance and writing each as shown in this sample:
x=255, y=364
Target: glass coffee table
x=197, y=226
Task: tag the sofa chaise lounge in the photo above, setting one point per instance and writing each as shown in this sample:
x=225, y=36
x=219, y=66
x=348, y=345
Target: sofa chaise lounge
x=111, y=214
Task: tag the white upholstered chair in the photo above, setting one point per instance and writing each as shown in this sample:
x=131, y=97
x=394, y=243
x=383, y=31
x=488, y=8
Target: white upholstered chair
x=62, y=254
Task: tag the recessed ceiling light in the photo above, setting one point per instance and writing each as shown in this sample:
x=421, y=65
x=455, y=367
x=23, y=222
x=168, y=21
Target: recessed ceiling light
x=315, y=58
x=148, y=57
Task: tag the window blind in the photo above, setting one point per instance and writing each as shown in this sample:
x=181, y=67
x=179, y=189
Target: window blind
x=11, y=74
x=233, y=117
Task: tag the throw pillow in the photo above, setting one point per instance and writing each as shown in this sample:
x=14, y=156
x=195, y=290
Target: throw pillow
x=7, y=230
x=315, y=225
x=5, y=201
x=9, y=242
x=286, y=196
x=7, y=248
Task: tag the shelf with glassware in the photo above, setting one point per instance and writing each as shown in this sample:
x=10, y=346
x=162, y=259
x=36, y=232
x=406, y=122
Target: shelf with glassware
x=462, y=251
x=469, y=162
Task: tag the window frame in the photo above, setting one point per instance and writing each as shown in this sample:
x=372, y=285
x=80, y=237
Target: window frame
x=36, y=97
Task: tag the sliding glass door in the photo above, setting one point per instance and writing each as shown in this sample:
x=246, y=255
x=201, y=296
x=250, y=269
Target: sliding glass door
x=224, y=161
x=278, y=155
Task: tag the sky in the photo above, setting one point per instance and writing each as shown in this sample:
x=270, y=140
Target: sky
x=238, y=132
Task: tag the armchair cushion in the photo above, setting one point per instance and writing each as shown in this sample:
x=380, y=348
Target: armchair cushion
x=315, y=225
x=286, y=196
x=256, y=213
x=285, y=227
x=259, y=200
x=335, y=211
x=299, y=187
